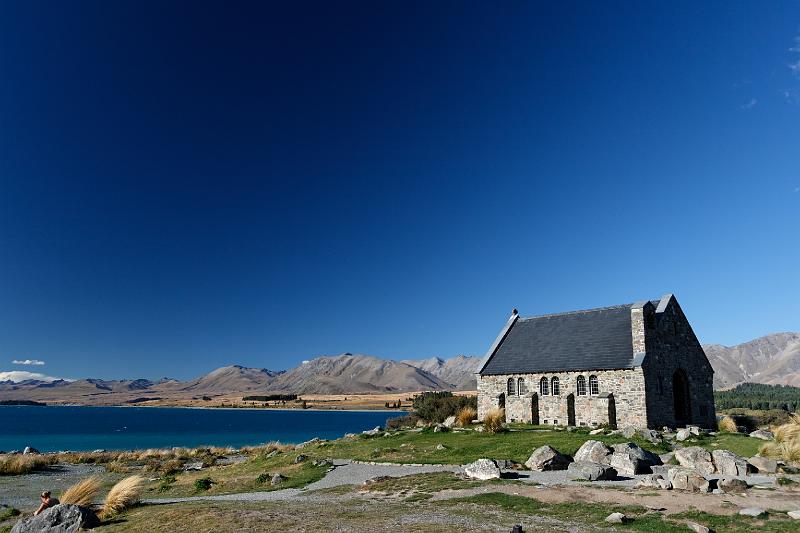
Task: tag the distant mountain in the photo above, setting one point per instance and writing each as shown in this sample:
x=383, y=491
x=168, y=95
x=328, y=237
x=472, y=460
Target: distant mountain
x=773, y=359
x=343, y=374
x=458, y=371
x=232, y=378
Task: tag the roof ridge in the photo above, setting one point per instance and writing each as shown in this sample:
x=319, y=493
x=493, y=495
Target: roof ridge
x=549, y=315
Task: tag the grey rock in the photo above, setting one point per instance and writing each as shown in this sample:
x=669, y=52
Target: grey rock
x=694, y=430
x=755, y=512
x=593, y=451
x=30, y=450
x=374, y=431
x=616, y=518
x=194, y=466
x=450, y=421
x=728, y=463
x=696, y=458
x=762, y=434
x=697, y=528
x=732, y=485
x=273, y=453
x=650, y=481
x=664, y=484
x=687, y=479
x=666, y=457
x=598, y=431
x=546, y=458
x=63, y=518
x=315, y=440
x=627, y=465
x=441, y=446
x=650, y=435
x=682, y=434
x=300, y=458
x=439, y=428
x=764, y=465
x=483, y=469
x=794, y=514
x=628, y=432
x=277, y=479
x=590, y=471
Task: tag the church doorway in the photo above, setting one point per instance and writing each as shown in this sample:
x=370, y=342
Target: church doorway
x=571, y=410
x=535, y=409
x=681, y=399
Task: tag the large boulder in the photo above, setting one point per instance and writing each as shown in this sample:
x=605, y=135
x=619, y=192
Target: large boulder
x=593, y=451
x=762, y=434
x=628, y=458
x=63, y=518
x=653, y=481
x=450, y=421
x=764, y=465
x=696, y=458
x=547, y=458
x=687, y=479
x=650, y=435
x=483, y=469
x=682, y=434
x=590, y=471
x=728, y=463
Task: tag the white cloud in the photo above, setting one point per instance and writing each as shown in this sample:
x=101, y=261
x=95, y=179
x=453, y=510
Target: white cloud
x=34, y=362
x=750, y=105
x=21, y=375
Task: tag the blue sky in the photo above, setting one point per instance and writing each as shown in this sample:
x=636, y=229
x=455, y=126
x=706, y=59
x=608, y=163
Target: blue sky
x=185, y=185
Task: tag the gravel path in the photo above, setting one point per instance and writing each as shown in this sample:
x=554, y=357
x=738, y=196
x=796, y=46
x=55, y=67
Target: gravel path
x=23, y=491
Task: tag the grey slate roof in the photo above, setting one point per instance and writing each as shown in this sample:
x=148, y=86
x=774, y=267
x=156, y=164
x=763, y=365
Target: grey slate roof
x=594, y=339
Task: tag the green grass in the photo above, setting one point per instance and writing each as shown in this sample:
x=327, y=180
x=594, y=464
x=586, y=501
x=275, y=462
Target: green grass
x=738, y=443
x=8, y=512
x=465, y=447
x=786, y=482
x=574, y=512
x=640, y=518
x=775, y=522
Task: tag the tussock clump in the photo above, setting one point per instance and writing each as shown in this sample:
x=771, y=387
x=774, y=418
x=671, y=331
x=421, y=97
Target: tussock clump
x=466, y=415
x=493, y=421
x=83, y=493
x=787, y=442
x=15, y=465
x=728, y=424
x=122, y=495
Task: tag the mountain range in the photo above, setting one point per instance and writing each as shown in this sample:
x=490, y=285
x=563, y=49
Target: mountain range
x=772, y=359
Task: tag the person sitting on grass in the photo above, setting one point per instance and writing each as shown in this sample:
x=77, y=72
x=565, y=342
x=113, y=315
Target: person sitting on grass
x=47, y=502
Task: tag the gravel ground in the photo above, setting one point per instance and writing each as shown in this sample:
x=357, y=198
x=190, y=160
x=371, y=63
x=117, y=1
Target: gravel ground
x=23, y=492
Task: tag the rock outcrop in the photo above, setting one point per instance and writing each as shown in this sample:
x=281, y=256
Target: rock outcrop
x=593, y=451
x=590, y=471
x=63, y=518
x=695, y=458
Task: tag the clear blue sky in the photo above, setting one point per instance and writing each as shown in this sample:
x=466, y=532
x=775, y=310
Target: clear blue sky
x=185, y=185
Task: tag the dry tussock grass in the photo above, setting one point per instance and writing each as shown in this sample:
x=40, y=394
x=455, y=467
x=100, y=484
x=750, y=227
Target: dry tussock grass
x=14, y=465
x=122, y=495
x=83, y=493
x=465, y=416
x=494, y=419
x=727, y=424
x=787, y=441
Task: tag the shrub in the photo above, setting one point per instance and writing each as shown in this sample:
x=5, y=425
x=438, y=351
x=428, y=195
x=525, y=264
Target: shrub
x=166, y=483
x=83, y=493
x=203, y=483
x=263, y=478
x=493, y=421
x=402, y=421
x=466, y=415
x=728, y=424
x=122, y=495
x=8, y=512
x=437, y=406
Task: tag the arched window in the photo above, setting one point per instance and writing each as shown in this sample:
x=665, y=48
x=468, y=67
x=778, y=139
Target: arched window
x=593, y=386
x=521, y=386
x=580, y=385
x=555, y=386
x=544, y=389
x=511, y=389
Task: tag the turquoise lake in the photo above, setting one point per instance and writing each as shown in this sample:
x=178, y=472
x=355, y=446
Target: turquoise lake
x=126, y=428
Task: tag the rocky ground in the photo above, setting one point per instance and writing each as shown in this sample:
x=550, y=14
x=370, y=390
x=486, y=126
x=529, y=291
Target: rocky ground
x=548, y=480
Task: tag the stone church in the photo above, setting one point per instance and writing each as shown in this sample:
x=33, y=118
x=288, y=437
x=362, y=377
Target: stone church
x=637, y=365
